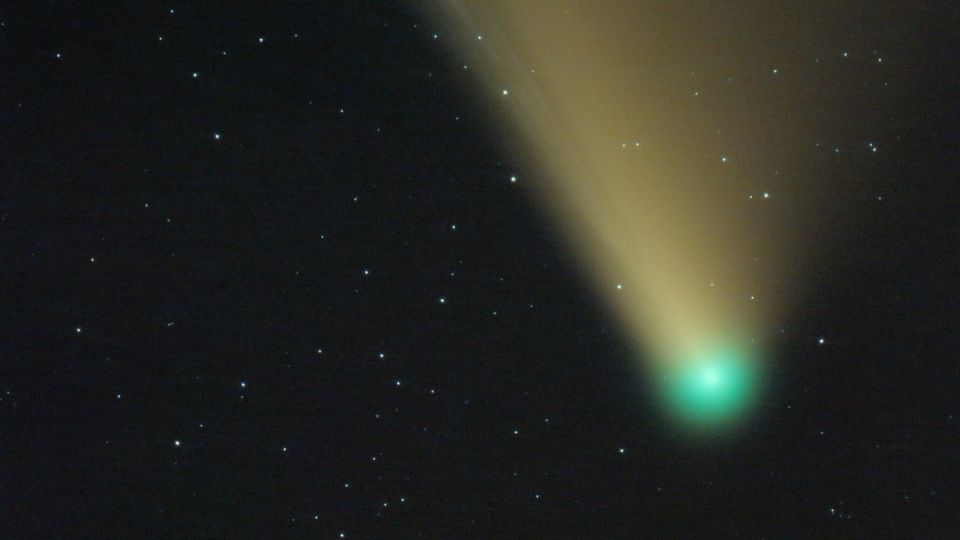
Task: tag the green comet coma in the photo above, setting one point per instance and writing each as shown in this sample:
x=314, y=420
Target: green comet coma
x=713, y=388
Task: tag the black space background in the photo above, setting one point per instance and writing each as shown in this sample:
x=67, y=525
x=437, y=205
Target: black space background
x=254, y=248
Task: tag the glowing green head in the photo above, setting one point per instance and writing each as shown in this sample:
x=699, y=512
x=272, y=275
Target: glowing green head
x=712, y=388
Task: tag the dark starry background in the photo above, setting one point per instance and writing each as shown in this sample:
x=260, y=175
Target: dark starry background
x=298, y=295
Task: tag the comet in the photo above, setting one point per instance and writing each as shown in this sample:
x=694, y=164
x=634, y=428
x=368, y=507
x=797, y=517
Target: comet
x=607, y=102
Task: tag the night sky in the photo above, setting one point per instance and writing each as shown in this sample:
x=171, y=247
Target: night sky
x=276, y=270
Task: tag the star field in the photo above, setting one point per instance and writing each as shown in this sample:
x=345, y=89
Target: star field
x=278, y=270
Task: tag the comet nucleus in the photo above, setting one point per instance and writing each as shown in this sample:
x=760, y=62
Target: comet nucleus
x=713, y=387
